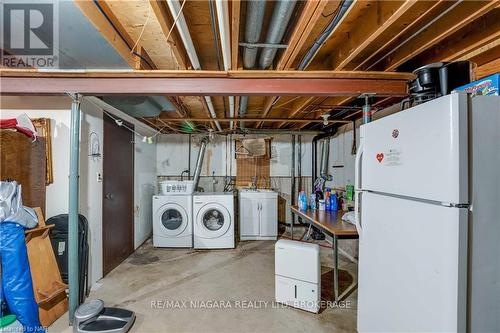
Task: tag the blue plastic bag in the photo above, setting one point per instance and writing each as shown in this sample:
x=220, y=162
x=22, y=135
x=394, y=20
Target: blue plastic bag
x=16, y=277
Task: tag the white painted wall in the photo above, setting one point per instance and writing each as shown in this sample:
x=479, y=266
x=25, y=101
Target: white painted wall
x=58, y=110
x=172, y=155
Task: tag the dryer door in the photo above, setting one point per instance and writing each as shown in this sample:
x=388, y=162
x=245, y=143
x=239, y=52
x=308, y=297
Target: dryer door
x=172, y=220
x=213, y=221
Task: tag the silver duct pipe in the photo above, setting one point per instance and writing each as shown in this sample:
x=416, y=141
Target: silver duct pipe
x=243, y=109
x=199, y=161
x=325, y=150
x=253, y=28
x=282, y=13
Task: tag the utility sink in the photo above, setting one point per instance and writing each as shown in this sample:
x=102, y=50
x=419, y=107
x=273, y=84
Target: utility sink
x=258, y=190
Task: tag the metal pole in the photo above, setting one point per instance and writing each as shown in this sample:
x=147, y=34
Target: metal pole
x=73, y=207
x=292, y=181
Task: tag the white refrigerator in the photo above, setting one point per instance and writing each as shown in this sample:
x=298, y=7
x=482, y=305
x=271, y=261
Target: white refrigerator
x=428, y=215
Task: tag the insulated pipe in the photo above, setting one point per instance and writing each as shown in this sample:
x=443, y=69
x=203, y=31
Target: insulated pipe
x=282, y=13
x=344, y=7
x=73, y=207
x=225, y=33
x=325, y=149
x=253, y=28
x=199, y=161
x=314, y=154
x=243, y=109
x=175, y=9
x=299, y=160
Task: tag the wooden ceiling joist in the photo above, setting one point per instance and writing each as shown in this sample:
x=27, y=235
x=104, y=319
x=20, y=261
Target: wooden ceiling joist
x=310, y=14
x=113, y=35
x=114, y=32
x=463, y=43
x=456, y=18
x=235, y=33
x=374, y=23
x=166, y=22
x=248, y=119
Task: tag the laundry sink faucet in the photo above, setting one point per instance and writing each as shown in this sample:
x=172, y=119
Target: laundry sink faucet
x=183, y=172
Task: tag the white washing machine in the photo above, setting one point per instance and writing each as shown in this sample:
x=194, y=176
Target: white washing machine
x=214, y=220
x=173, y=217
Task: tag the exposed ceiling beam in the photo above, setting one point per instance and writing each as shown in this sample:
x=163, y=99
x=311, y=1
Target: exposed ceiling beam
x=373, y=23
x=310, y=14
x=411, y=22
x=201, y=86
x=235, y=32
x=462, y=44
x=459, y=16
x=489, y=68
x=238, y=74
x=166, y=22
x=121, y=43
x=113, y=31
x=298, y=120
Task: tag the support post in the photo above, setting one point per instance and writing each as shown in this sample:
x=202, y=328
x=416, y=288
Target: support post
x=292, y=180
x=73, y=207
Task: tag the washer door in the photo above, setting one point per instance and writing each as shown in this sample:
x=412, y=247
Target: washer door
x=213, y=221
x=173, y=220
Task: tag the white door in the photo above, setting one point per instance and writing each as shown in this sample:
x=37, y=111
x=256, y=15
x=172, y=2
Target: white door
x=412, y=266
x=249, y=217
x=172, y=220
x=420, y=152
x=268, y=217
x=212, y=221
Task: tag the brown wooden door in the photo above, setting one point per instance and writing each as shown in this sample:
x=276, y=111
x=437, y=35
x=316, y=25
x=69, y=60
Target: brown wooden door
x=118, y=194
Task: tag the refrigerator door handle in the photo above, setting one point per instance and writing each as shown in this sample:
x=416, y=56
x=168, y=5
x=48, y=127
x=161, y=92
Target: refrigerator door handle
x=357, y=189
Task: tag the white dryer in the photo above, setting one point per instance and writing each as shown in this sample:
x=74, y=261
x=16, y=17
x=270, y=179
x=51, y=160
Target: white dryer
x=173, y=218
x=214, y=220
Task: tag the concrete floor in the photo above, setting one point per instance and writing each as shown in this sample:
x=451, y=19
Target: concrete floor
x=242, y=278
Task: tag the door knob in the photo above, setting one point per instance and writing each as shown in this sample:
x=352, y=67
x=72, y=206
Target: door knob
x=109, y=196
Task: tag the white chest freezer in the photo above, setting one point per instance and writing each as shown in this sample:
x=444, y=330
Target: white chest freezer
x=298, y=275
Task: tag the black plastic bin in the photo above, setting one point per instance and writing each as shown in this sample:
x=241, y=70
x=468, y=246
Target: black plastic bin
x=59, y=240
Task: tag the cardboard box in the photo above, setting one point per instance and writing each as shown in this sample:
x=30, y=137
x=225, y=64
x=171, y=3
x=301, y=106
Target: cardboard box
x=486, y=86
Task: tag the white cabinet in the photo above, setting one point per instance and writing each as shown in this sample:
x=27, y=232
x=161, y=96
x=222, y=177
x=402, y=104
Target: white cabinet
x=258, y=215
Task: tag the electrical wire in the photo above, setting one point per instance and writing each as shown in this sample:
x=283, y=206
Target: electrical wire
x=143, y=28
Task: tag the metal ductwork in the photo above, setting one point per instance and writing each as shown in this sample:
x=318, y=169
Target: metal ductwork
x=282, y=13
x=253, y=29
x=140, y=106
x=199, y=161
x=323, y=170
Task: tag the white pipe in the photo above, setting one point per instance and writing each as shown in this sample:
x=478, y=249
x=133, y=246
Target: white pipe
x=224, y=32
x=175, y=9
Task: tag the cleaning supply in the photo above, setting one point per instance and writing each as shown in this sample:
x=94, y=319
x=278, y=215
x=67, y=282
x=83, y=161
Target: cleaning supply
x=334, y=205
x=327, y=200
x=321, y=204
x=302, y=201
x=349, y=192
x=314, y=204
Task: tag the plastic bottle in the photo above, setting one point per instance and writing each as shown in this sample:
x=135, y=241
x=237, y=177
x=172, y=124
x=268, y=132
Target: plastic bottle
x=302, y=200
x=313, y=203
x=334, y=205
x=327, y=201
